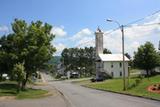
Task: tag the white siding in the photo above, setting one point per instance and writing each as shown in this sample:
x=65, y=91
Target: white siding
x=116, y=69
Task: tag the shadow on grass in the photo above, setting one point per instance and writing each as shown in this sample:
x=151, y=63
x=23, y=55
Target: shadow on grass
x=8, y=89
x=8, y=86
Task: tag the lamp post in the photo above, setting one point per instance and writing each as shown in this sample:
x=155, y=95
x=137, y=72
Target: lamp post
x=122, y=31
x=159, y=46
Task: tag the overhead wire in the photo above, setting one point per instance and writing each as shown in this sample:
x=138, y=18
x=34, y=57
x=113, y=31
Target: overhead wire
x=131, y=24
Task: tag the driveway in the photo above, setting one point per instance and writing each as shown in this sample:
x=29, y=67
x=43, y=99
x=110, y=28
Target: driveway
x=79, y=96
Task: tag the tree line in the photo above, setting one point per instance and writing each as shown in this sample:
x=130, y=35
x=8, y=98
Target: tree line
x=83, y=59
x=80, y=59
x=25, y=50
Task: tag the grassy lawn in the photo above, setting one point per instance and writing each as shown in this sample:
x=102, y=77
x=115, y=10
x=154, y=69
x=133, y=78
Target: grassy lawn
x=9, y=89
x=116, y=85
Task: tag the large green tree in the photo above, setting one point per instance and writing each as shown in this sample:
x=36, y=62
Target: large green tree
x=29, y=44
x=146, y=57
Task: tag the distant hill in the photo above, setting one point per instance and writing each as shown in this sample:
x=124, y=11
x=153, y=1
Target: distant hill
x=55, y=60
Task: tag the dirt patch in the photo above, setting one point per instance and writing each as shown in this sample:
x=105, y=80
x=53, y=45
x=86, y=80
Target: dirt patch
x=154, y=88
x=7, y=98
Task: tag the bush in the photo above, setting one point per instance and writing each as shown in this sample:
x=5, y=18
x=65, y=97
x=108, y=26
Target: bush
x=58, y=76
x=63, y=77
x=141, y=77
x=93, y=80
x=19, y=74
x=137, y=82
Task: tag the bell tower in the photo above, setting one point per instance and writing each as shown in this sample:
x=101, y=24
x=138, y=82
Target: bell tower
x=99, y=50
x=99, y=41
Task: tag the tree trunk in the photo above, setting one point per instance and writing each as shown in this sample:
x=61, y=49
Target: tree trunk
x=19, y=87
x=24, y=82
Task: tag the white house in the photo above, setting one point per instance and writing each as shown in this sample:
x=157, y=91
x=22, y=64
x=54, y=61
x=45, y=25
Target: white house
x=112, y=64
x=108, y=63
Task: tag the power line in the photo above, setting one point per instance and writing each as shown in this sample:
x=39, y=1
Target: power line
x=129, y=25
x=151, y=24
x=138, y=20
x=85, y=43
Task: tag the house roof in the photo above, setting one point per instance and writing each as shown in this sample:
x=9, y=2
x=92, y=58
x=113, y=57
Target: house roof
x=112, y=57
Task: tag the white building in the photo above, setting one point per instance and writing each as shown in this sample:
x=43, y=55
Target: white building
x=112, y=64
x=108, y=63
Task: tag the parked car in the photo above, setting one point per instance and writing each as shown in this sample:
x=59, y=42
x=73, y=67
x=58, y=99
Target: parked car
x=103, y=76
x=97, y=79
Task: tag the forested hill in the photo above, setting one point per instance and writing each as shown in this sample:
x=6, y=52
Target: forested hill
x=55, y=60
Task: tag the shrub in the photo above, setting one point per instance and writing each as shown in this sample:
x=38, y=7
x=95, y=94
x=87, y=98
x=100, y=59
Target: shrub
x=19, y=74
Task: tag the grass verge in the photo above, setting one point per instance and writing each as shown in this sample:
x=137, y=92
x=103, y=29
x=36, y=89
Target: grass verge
x=116, y=85
x=10, y=89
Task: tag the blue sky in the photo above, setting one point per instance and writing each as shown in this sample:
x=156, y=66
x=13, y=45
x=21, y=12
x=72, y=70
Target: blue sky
x=75, y=21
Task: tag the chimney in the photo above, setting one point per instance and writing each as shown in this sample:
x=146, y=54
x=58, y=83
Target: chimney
x=99, y=41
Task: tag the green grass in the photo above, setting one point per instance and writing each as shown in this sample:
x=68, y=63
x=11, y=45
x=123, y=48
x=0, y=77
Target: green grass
x=10, y=89
x=31, y=93
x=116, y=85
x=135, y=70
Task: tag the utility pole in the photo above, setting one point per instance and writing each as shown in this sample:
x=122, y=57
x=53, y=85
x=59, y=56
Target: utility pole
x=123, y=64
x=124, y=76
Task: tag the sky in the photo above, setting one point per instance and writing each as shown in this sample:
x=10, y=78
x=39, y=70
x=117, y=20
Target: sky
x=75, y=21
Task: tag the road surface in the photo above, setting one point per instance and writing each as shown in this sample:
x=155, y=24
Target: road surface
x=79, y=96
x=73, y=95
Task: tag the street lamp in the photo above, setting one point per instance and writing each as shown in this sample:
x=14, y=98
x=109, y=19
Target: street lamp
x=122, y=30
x=159, y=46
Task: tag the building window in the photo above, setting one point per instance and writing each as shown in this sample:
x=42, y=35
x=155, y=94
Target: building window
x=112, y=74
x=120, y=73
x=111, y=65
x=120, y=64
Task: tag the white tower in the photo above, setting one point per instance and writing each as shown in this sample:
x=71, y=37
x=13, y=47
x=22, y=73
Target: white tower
x=99, y=41
x=99, y=50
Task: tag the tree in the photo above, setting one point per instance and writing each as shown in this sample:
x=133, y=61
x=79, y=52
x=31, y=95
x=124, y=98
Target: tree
x=28, y=43
x=80, y=59
x=106, y=51
x=19, y=74
x=146, y=57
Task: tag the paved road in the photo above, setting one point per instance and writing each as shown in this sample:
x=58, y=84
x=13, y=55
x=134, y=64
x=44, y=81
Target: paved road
x=79, y=96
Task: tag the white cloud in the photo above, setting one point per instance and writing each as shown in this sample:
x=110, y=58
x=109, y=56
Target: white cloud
x=59, y=48
x=140, y=31
x=134, y=36
x=4, y=29
x=59, y=31
x=135, y=31
x=83, y=33
x=113, y=43
x=86, y=42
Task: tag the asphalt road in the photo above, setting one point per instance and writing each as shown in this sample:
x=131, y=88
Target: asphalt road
x=79, y=96
x=73, y=95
